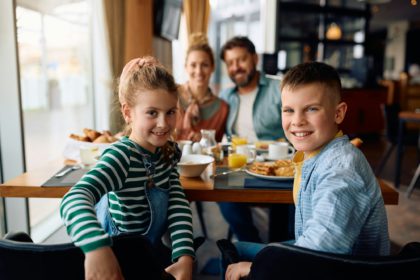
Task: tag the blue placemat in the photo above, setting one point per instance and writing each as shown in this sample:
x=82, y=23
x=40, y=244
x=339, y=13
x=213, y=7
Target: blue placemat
x=257, y=183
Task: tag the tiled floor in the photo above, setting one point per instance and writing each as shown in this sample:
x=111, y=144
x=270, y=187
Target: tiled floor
x=404, y=218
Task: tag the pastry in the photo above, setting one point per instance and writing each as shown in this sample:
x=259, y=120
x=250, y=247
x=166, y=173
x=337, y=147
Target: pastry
x=91, y=133
x=79, y=138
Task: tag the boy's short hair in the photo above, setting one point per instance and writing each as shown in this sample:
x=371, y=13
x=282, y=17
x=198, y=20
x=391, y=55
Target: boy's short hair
x=238, y=42
x=313, y=72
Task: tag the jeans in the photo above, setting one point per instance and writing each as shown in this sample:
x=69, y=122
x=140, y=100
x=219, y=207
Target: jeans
x=158, y=203
x=239, y=217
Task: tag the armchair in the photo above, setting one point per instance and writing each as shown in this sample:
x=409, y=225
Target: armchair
x=26, y=260
x=285, y=261
x=289, y=261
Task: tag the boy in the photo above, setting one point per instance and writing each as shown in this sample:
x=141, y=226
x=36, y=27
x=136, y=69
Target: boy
x=339, y=206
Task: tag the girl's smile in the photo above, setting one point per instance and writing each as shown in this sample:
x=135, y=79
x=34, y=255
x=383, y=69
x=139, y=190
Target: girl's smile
x=152, y=119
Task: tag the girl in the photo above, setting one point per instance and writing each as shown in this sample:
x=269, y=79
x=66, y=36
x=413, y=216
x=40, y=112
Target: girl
x=136, y=178
x=200, y=108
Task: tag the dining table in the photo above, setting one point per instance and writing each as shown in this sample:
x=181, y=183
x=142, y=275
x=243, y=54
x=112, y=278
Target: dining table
x=225, y=188
x=238, y=186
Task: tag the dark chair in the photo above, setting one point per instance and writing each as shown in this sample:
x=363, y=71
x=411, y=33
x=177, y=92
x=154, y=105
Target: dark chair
x=391, y=112
x=291, y=261
x=284, y=261
x=26, y=260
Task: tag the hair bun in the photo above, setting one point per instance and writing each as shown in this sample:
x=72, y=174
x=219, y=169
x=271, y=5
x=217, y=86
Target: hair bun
x=198, y=38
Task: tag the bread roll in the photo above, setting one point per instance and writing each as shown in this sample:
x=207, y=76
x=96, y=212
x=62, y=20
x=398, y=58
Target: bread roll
x=91, y=133
x=79, y=138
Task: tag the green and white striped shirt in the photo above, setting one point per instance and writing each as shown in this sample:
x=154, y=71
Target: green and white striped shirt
x=121, y=173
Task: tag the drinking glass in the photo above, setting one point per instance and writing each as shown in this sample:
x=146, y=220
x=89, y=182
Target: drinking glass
x=237, y=160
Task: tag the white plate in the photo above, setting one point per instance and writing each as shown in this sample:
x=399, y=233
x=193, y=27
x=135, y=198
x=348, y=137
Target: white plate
x=274, y=178
x=268, y=158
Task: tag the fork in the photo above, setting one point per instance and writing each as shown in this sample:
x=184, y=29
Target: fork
x=228, y=172
x=68, y=170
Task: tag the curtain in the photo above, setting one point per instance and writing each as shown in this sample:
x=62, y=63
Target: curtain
x=130, y=29
x=197, y=14
x=115, y=17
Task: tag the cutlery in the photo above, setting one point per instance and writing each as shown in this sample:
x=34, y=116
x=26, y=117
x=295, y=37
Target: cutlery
x=227, y=172
x=68, y=170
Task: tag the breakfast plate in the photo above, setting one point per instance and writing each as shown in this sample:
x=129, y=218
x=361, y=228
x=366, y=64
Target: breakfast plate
x=267, y=177
x=268, y=158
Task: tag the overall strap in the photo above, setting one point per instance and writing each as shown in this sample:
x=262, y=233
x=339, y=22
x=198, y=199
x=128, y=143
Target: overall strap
x=148, y=165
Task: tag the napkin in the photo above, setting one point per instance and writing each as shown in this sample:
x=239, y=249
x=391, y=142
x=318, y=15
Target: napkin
x=257, y=183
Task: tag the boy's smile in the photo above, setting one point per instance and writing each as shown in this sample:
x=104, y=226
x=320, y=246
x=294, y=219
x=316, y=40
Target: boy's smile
x=310, y=116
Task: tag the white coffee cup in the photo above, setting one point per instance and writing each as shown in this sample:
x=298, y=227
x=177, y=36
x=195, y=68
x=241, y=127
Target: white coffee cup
x=247, y=150
x=89, y=155
x=187, y=149
x=279, y=150
x=181, y=143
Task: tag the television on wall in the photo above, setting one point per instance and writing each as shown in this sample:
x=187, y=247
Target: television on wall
x=167, y=17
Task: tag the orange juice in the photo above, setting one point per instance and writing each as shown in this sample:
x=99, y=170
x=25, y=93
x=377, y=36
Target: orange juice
x=238, y=141
x=236, y=160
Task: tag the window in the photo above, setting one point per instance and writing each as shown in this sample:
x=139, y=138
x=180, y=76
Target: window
x=55, y=78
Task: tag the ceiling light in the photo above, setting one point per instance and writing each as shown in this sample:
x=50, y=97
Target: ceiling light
x=333, y=32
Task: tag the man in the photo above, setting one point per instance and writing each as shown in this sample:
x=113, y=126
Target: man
x=253, y=93
x=255, y=114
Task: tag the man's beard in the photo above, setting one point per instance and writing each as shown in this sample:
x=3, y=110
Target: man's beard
x=248, y=79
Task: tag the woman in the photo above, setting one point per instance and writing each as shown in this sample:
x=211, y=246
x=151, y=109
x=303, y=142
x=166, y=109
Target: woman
x=199, y=107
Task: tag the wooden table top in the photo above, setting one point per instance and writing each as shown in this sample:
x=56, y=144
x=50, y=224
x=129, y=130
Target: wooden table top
x=409, y=116
x=202, y=188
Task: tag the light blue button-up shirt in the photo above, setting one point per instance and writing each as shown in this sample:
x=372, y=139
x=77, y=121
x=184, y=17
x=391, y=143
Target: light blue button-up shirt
x=340, y=207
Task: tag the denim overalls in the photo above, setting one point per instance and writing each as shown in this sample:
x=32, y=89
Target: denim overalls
x=157, y=199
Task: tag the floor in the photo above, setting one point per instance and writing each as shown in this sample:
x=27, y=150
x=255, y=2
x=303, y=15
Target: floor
x=404, y=218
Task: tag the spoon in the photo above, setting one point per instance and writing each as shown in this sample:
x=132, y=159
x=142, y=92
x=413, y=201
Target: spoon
x=228, y=172
x=68, y=170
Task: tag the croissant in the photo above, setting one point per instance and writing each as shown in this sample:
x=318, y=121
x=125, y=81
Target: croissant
x=79, y=138
x=101, y=139
x=91, y=133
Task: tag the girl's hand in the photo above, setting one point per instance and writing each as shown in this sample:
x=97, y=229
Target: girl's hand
x=103, y=265
x=182, y=269
x=237, y=270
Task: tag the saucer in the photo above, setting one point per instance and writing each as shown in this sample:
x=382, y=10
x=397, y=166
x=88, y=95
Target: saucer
x=268, y=158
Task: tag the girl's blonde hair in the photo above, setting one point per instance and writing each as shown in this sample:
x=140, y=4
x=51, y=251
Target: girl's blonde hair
x=198, y=42
x=144, y=73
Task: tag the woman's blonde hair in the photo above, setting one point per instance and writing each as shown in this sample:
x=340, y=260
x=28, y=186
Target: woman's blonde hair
x=144, y=73
x=198, y=42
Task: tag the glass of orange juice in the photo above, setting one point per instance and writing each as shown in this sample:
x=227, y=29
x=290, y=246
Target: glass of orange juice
x=236, y=160
x=236, y=141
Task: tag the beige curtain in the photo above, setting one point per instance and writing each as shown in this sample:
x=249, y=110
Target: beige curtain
x=130, y=28
x=197, y=14
x=115, y=17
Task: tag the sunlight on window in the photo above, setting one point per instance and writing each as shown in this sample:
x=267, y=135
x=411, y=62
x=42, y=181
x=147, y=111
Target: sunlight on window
x=55, y=78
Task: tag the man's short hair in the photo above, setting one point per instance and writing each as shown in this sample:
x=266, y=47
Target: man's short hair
x=238, y=42
x=313, y=72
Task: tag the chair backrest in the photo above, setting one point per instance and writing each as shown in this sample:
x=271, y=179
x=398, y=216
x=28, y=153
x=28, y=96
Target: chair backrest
x=22, y=260
x=283, y=261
